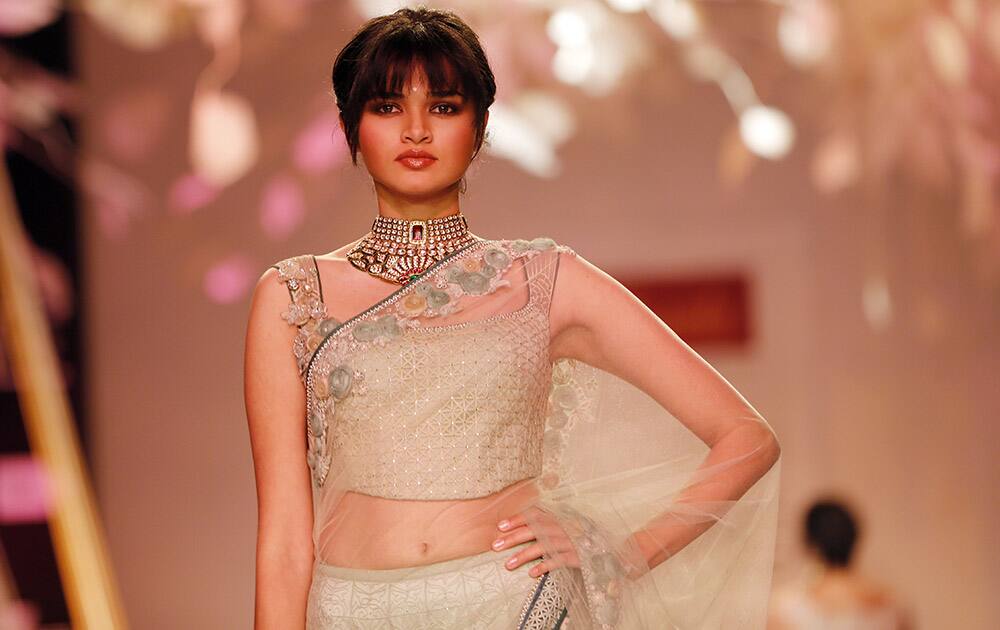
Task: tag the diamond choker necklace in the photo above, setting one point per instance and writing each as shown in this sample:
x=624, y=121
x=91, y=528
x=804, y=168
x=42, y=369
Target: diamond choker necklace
x=399, y=250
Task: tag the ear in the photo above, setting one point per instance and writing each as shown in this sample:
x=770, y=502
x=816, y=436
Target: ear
x=486, y=122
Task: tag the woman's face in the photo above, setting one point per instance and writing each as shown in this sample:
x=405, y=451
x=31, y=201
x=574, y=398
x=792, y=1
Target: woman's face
x=441, y=127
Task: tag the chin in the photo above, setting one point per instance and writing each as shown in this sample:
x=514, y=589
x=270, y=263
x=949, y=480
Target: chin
x=421, y=189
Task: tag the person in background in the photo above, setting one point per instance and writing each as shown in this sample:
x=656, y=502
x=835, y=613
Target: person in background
x=836, y=597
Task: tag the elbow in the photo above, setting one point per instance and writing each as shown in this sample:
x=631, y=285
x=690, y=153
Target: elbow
x=775, y=448
x=763, y=442
x=771, y=447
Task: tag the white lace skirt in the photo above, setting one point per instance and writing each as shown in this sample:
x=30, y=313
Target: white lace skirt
x=474, y=591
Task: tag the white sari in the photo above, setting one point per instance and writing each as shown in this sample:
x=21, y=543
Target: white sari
x=445, y=390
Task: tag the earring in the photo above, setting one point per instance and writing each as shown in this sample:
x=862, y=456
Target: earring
x=462, y=185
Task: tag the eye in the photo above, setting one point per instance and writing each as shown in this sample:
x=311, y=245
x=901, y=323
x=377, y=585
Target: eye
x=449, y=108
x=382, y=107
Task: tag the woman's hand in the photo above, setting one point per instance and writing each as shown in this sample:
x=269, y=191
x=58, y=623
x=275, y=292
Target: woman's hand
x=516, y=530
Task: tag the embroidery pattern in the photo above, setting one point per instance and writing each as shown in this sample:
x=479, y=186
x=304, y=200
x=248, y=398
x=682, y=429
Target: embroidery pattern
x=545, y=607
x=477, y=270
x=476, y=590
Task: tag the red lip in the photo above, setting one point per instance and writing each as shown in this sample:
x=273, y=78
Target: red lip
x=415, y=153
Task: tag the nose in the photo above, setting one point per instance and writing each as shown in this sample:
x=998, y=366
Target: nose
x=416, y=128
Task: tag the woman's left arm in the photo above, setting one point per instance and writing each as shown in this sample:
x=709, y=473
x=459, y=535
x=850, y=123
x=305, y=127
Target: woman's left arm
x=598, y=321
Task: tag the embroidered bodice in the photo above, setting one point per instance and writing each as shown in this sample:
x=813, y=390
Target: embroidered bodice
x=440, y=390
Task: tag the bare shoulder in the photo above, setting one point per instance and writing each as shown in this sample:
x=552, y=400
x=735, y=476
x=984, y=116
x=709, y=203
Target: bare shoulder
x=334, y=266
x=339, y=255
x=271, y=293
x=581, y=285
x=593, y=317
x=873, y=592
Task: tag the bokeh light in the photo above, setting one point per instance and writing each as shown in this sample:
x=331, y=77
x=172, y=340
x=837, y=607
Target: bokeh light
x=767, y=131
x=223, y=142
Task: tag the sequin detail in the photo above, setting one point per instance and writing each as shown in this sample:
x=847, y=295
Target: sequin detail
x=405, y=435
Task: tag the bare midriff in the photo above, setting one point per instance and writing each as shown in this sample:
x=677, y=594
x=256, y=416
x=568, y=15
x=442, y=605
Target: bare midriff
x=370, y=532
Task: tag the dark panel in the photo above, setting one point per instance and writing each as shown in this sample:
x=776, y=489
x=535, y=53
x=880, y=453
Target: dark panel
x=704, y=311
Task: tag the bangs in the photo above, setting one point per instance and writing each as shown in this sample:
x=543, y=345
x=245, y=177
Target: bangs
x=390, y=50
x=391, y=67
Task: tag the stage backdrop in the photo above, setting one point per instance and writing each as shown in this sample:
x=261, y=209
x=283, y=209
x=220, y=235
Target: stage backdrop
x=899, y=417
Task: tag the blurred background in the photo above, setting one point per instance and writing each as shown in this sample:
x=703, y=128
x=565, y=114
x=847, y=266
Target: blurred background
x=808, y=191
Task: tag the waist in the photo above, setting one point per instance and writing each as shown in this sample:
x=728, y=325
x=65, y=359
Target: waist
x=423, y=571
x=368, y=532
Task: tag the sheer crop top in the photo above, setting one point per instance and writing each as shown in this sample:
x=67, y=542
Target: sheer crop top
x=438, y=391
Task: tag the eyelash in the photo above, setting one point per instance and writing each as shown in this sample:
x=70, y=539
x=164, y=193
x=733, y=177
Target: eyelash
x=377, y=108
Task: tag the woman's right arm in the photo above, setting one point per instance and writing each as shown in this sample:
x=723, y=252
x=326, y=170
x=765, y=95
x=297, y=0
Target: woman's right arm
x=275, y=407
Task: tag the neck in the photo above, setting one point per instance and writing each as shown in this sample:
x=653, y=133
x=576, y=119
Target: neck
x=394, y=205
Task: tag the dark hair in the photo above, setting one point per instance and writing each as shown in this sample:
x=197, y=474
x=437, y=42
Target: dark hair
x=386, y=49
x=831, y=530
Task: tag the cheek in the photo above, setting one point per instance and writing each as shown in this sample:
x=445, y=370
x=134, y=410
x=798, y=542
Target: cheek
x=462, y=138
x=373, y=140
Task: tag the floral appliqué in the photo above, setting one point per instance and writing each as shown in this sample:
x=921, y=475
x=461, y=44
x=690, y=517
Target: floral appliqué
x=474, y=275
x=308, y=314
x=306, y=311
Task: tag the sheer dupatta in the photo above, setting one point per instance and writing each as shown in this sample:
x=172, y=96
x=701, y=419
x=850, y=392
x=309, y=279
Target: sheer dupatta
x=445, y=390
x=623, y=469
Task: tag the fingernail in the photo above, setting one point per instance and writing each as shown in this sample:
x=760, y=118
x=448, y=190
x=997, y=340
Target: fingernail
x=498, y=543
x=504, y=524
x=511, y=561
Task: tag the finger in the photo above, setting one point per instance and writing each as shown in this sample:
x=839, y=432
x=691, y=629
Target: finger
x=533, y=552
x=512, y=538
x=543, y=532
x=549, y=563
x=519, y=519
x=540, y=568
x=527, y=554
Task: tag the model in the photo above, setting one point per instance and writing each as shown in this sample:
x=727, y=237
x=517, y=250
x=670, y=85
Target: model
x=461, y=432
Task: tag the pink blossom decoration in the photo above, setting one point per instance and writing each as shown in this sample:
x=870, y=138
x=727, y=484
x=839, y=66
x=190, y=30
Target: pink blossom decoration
x=282, y=207
x=24, y=490
x=18, y=17
x=19, y=615
x=321, y=145
x=190, y=192
x=228, y=280
x=133, y=123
